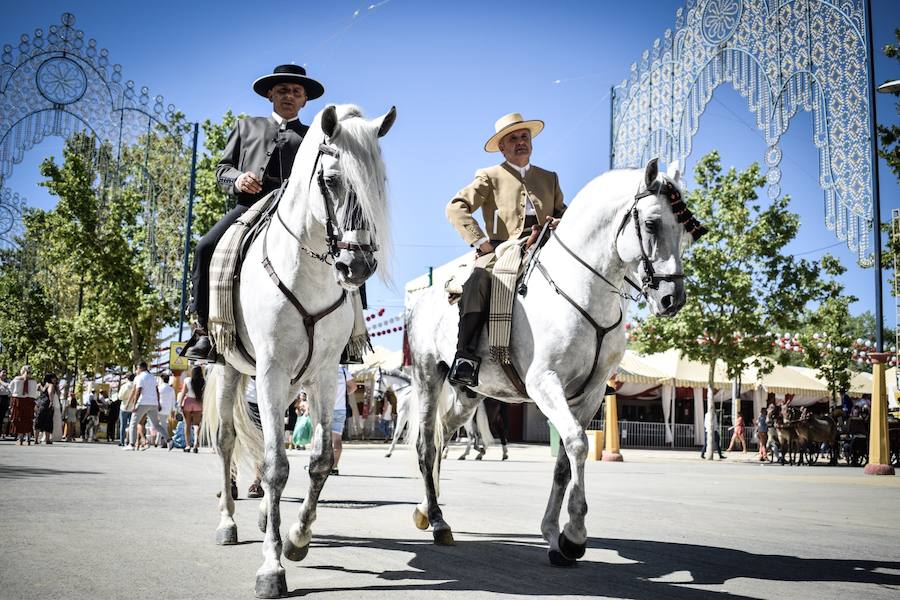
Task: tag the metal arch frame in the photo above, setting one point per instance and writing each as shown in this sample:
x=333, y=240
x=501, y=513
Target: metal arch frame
x=111, y=109
x=774, y=92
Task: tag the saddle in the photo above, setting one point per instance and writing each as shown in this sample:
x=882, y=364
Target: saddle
x=224, y=270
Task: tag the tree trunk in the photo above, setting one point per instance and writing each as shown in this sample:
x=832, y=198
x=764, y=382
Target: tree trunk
x=709, y=421
x=135, y=347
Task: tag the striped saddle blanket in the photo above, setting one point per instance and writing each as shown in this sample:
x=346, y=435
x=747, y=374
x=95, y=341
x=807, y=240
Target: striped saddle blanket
x=224, y=269
x=503, y=294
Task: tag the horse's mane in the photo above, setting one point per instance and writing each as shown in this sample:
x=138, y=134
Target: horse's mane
x=364, y=170
x=396, y=373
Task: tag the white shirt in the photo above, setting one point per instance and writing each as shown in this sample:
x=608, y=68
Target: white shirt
x=279, y=119
x=19, y=389
x=189, y=388
x=147, y=384
x=167, y=398
x=340, y=396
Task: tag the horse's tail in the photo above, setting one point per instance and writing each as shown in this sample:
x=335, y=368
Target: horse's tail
x=248, y=443
x=483, y=425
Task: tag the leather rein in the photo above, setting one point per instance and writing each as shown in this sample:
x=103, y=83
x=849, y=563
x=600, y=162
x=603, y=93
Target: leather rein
x=650, y=280
x=334, y=242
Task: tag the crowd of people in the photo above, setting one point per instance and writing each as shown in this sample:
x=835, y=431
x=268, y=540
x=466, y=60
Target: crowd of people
x=145, y=411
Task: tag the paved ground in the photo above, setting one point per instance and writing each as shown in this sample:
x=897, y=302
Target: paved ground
x=85, y=521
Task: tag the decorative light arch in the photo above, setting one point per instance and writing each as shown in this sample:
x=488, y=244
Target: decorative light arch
x=781, y=55
x=57, y=83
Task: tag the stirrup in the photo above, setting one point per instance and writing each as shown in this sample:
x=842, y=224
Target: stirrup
x=465, y=370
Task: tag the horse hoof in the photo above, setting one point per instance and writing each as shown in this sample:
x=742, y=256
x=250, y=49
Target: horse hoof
x=444, y=537
x=461, y=458
x=388, y=455
x=227, y=536
x=558, y=560
x=570, y=549
x=271, y=585
x=420, y=519
x=262, y=520
x=294, y=552
x=479, y=457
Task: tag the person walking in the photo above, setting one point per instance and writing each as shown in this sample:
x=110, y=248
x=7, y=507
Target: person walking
x=166, y=403
x=71, y=417
x=762, y=434
x=4, y=403
x=345, y=386
x=46, y=403
x=146, y=395
x=125, y=408
x=738, y=435
x=23, y=392
x=191, y=405
x=91, y=418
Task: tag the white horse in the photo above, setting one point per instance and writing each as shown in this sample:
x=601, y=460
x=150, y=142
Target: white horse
x=294, y=318
x=567, y=333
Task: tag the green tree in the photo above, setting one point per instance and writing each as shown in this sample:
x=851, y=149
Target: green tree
x=211, y=203
x=829, y=334
x=889, y=150
x=739, y=283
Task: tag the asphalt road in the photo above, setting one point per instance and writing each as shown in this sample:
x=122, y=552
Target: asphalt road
x=86, y=521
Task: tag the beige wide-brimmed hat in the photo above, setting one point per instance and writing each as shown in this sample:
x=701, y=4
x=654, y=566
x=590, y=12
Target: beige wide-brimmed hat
x=508, y=124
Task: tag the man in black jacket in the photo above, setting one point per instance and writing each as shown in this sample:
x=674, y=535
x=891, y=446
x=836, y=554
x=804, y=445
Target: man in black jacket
x=258, y=157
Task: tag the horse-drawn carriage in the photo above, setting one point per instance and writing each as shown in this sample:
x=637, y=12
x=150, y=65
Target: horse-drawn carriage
x=855, y=440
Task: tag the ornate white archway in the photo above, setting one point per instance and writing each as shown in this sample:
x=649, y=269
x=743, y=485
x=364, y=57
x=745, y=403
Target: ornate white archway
x=781, y=55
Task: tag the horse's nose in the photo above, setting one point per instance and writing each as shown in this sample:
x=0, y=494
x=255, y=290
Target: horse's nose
x=343, y=269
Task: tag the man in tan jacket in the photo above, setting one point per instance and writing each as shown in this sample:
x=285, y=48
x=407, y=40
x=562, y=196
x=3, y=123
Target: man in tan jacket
x=514, y=198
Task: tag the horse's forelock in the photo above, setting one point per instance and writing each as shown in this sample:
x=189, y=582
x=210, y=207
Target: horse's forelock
x=363, y=169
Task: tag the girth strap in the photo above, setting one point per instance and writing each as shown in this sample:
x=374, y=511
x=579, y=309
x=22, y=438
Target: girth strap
x=309, y=320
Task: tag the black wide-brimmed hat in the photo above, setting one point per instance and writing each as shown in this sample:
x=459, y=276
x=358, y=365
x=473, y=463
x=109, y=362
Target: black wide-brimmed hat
x=289, y=74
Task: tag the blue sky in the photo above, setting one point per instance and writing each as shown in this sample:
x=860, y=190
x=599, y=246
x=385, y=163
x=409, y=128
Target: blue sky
x=451, y=68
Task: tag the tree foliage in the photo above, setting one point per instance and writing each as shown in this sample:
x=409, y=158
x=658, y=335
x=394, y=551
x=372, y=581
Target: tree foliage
x=889, y=150
x=740, y=285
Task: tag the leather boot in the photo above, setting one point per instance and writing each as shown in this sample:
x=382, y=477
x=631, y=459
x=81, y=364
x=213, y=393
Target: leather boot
x=199, y=347
x=467, y=363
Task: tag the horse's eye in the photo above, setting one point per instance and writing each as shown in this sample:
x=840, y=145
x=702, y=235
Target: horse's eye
x=332, y=180
x=651, y=226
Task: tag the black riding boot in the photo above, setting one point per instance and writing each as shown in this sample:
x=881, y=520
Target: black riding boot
x=466, y=363
x=199, y=347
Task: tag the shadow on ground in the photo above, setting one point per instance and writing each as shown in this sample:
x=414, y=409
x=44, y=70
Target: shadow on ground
x=15, y=472
x=519, y=567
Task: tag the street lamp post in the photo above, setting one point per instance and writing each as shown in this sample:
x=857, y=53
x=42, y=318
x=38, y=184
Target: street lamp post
x=879, y=451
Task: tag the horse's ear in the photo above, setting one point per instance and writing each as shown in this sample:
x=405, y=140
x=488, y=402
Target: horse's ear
x=330, y=124
x=386, y=121
x=651, y=172
x=674, y=171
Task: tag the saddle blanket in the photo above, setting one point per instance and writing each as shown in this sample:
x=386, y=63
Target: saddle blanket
x=223, y=272
x=503, y=294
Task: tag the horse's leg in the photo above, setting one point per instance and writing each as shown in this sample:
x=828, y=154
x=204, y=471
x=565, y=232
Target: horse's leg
x=571, y=543
x=402, y=418
x=272, y=388
x=229, y=379
x=428, y=512
x=470, y=439
x=321, y=460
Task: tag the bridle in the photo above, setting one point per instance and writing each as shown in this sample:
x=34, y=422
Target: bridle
x=334, y=235
x=650, y=279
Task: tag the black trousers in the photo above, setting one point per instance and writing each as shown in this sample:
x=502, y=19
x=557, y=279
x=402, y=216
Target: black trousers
x=202, y=257
x=4, y=408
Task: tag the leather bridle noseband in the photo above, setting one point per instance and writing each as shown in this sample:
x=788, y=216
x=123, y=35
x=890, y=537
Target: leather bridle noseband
x=333, y=233
x=649, y=280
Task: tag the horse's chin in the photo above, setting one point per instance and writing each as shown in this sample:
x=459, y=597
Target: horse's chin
x=349, y=285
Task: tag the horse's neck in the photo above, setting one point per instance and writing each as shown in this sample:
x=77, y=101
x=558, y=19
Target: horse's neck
x=290, y=255
x=590, y=233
